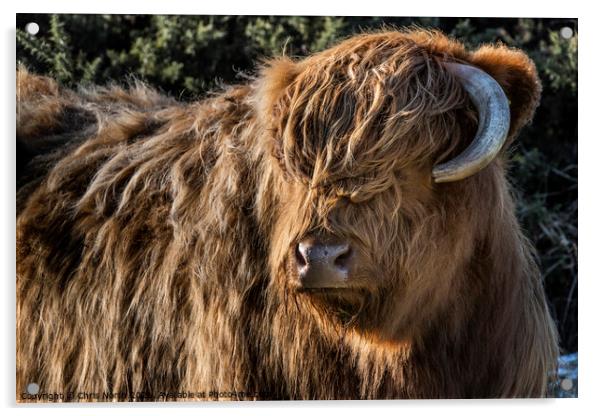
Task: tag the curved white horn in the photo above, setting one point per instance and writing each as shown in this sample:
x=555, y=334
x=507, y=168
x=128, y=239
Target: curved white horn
x=494, y=122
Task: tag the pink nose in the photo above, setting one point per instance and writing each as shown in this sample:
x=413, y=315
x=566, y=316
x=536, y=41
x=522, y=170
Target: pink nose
x=322, y=265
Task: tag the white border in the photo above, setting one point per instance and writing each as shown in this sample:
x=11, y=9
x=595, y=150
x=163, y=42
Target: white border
x=441, y=8
x=590, y=150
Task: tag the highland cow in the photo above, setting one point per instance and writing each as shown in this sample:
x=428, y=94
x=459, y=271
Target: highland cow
x=341, y=227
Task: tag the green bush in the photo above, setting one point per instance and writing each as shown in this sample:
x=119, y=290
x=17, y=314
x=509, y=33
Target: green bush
x=188, y=55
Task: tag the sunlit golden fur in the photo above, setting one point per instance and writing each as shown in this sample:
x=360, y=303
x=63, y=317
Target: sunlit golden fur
x=153, y=241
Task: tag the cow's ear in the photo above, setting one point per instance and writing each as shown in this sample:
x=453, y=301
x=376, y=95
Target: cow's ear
x=271, y=91
x=517, y=75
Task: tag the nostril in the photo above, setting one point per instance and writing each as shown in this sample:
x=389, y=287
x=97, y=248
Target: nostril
x=301, y=261
x=342, y=260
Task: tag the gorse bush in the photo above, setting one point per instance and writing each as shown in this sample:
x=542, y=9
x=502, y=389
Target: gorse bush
x=187, y=56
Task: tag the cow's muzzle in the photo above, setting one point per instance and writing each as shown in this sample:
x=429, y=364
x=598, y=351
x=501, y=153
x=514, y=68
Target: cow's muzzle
x=323, y=264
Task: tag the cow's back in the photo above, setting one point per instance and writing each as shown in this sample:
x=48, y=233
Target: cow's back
x=110, y=187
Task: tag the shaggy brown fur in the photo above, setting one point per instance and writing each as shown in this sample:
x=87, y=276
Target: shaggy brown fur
x=153, y=237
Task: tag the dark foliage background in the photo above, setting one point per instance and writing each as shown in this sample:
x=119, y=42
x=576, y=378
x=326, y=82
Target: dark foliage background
x=186, y=56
